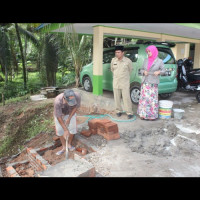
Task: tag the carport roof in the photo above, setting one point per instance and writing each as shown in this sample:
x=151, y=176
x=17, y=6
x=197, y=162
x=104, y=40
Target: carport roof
x=184, y=30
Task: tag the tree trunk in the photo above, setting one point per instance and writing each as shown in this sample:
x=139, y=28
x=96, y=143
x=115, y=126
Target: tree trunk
x=77, y=77
x=6, y=75
x=25, y=58
x=77, y=81
x=3, y=100
x=2, y=67
x=22, y=55
x=14, y=58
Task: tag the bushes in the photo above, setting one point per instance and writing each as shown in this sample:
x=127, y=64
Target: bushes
x=16, y=88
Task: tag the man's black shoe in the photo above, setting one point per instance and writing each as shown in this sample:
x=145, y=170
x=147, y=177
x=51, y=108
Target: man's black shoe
x=130, y=116
x=119, y=114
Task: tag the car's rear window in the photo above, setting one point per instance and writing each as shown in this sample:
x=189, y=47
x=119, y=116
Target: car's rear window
x=131, y=53
x=166, y=55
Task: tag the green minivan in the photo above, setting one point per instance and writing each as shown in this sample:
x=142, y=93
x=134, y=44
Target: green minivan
x=137, y=54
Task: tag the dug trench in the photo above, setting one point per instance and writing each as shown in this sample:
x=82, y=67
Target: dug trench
x=41, y=140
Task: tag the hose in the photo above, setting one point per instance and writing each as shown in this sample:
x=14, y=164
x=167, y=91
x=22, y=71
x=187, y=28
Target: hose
x=107, y=115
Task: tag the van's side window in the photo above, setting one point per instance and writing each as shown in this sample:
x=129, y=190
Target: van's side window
x=107, y=56
x=166, y=55
x=132, y=54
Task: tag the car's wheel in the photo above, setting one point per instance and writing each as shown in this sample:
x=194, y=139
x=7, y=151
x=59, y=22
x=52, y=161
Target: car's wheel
x=87, y=84
x=135, y=92
x=165, y=95
x=198, y=96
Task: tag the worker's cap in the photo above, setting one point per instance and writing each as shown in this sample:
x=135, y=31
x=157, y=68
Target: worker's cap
x=70, y=97
x=121, y=48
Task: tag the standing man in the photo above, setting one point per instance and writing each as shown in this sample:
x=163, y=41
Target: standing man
x=121, y=67
x=65, y=107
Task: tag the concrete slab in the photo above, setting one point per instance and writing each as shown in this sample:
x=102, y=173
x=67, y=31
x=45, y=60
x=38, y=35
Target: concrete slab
x=78, y=167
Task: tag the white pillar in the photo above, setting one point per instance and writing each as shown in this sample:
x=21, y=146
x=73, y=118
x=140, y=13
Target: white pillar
x=183, y=51
x=174, y=50
x=197, y=56
x=98, y=60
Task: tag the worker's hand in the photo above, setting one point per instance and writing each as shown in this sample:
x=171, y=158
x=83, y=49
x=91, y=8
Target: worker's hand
x=145, y=73
x=66, y=134
x=67, y=122
x=156, y=73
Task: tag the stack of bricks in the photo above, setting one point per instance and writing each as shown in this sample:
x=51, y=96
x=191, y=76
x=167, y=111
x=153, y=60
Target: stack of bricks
x=36, y=161
x=12, y=172
x=106, y=128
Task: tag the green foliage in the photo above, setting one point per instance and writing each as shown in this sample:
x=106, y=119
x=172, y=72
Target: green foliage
x=31, y=125
x=38, y=125
x=5, y=144
x=16, y=88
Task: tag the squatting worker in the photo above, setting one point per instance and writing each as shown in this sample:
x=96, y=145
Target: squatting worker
x=65, y=107
x=121, y=67
x=151, y=69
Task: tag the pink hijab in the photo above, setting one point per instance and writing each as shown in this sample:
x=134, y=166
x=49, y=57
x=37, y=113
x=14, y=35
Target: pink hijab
x=151, y=59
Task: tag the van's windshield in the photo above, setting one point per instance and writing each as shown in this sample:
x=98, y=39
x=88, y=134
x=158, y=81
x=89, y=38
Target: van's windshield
x=166, y=55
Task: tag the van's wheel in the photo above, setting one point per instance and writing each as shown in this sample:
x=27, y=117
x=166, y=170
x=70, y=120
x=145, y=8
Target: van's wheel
x=135, y=92
x=165, y=95
x=198, y=96
x=87, y=84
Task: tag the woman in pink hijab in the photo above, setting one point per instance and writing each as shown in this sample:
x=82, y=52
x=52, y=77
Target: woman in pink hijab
x=151, y=70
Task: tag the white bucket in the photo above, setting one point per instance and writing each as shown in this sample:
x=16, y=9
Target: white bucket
x=165, y=104
x=178, y=113
x=165, y=109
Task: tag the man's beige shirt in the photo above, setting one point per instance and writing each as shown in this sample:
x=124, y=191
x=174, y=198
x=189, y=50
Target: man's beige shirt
x=121, y=72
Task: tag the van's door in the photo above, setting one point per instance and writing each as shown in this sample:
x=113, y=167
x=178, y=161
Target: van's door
x=168, y=81
x=132, y=54
x=107, y=73
x=170, y=64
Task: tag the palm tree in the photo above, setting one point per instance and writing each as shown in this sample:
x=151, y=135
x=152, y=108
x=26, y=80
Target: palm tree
x=80, y=49
x=22, y=55
x=28, y=35
x=50, y=56
x=4, y=52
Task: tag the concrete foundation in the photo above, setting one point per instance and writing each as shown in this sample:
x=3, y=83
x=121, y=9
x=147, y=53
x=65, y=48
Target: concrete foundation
x=78, y=167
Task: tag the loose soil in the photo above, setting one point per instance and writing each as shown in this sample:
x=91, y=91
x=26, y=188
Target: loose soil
x=22, y=156
x=53, y=159
x=25, y=170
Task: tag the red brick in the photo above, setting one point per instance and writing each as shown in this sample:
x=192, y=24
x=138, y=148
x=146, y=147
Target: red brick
x=79, y=149
x=86, y=133
x=44, y=166
x=92, y=123
x=34, y=155
x=111, y=136
x=103, y=121
x=92, y=172
x=55, y=138
x=9, y=168
x=84, y=151
x=28, y=149
x=93, y=131
x=43, y=149
x=38, y=161
x=111, y=127
x=101, y=129
x=108, y=130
